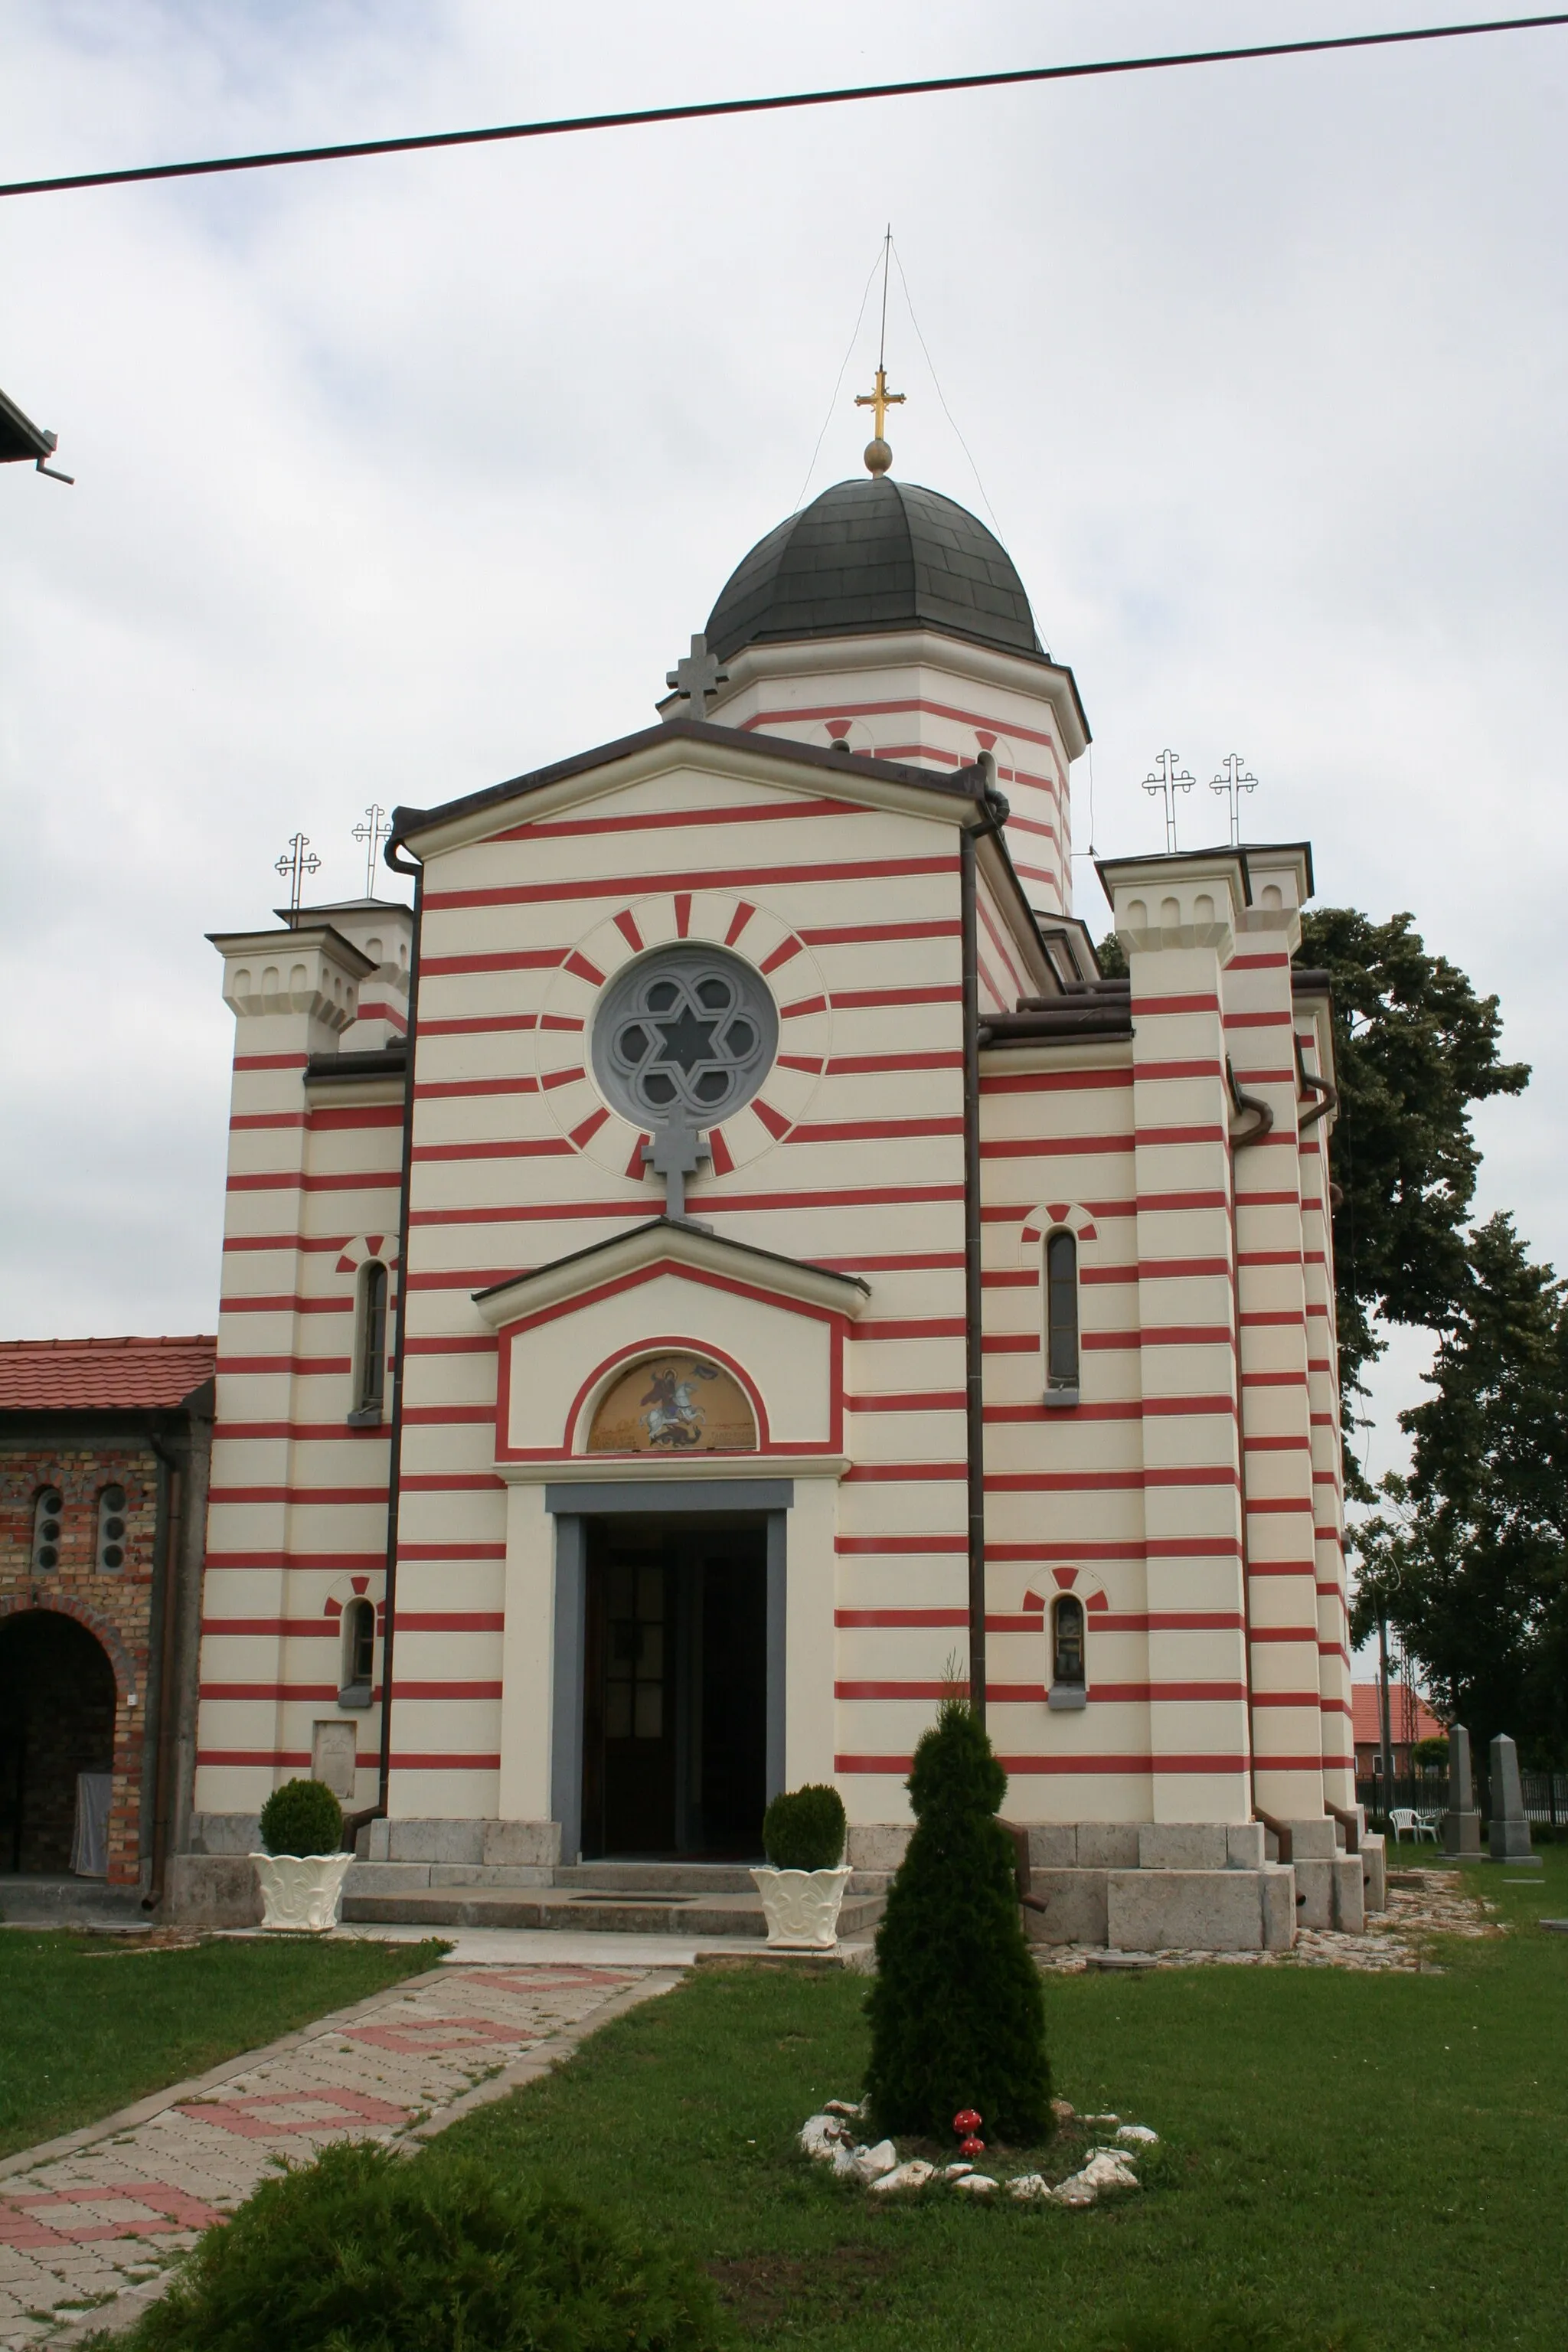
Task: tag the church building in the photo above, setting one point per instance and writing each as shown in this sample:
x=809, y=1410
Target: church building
x=728, y=1266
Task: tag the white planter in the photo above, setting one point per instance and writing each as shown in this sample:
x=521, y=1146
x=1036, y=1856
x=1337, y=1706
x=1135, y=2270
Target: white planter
x=302, y=1890
x=801, y=1907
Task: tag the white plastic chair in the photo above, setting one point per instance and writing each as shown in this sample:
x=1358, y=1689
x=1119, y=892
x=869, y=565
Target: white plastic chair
x=1406, y=1822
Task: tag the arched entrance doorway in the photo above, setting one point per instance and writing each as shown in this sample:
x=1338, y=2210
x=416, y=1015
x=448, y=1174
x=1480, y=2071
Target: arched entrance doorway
x=56, y=1719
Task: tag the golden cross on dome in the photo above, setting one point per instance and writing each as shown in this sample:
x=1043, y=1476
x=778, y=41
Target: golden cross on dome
x=882, y=400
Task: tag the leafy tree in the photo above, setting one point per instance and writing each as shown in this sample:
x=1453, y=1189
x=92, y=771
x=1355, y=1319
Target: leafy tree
x=1468, y=1557
x=1415, y=1048
x=957, y=2009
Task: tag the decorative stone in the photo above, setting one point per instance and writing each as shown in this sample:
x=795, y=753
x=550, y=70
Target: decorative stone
x=871, y=2164
x=978, y=2184
x=1074, y=2192
x=913, y=2175
x=301, y=1892
x=843, y=2107
x=955, y=2171
x=1138, y=2136
x=1108, y=2167
x=1029, y=2188
x=823, y=2135
x=801, y=1907
x=1063, y=2110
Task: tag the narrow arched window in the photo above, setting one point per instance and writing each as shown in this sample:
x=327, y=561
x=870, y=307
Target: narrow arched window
x=1061, y=1311
x=48, y=1510
x=359, y=1653
x=370, y=1343
x=111, y=1528
x=1069, y=1680
x=1067, y=1641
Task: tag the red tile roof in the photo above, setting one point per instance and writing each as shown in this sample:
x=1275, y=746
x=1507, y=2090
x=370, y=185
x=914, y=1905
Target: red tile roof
x=1409, y=1716
x=101, y=1375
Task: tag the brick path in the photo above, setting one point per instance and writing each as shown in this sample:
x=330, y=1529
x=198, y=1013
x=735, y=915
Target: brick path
x=89, y=2223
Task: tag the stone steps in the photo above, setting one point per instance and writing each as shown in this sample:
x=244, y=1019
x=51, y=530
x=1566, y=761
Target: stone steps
x=664, y=1899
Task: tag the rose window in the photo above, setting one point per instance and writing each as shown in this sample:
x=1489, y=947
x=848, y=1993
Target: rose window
x=684, y=1036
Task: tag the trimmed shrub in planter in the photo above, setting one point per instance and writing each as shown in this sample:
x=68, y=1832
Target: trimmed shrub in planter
x=804, y=1828
x=803, y=1883
x=369, y=2251
x=302, y=1817
x=302, y=1871
x=957, y=2007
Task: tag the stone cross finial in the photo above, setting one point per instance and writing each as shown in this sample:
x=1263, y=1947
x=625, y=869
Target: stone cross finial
x=696, y=674
x=1509, y=1838
x=676, y=1152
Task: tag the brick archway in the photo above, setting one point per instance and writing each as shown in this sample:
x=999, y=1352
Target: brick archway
x=15, y=1604
x=60, y=1716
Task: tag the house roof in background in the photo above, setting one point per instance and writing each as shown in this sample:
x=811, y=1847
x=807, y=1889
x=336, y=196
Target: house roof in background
x=1409, y=1716
x=102, y=1375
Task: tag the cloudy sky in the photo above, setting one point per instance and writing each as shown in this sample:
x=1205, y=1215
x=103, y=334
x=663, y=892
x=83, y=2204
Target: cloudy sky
x=398, y=477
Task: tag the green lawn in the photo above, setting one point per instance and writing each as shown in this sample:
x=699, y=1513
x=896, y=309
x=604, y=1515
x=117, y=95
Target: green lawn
x=1386, y=2150
x=88, y=2023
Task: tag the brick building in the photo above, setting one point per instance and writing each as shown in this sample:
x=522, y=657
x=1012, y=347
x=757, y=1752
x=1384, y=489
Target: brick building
x=103, y=1473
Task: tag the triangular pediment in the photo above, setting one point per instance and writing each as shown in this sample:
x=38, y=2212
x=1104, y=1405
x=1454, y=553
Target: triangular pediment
x=673, y=1244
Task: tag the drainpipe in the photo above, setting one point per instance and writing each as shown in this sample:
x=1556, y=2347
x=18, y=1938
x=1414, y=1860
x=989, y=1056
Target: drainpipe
x=1262, y=1124
x=158, y=1699
x=992, y=808
x=377, y=1813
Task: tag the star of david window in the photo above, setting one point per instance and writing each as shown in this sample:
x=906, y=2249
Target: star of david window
x=684, y=1035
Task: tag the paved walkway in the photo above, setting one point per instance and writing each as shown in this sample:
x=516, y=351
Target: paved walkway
x=89, y=2223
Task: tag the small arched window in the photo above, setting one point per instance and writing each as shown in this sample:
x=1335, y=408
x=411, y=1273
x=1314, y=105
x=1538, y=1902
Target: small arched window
x=359, y=1653
x=1061, y=1313
x=111, y=1528
x=1069, y=1681
x=48, y=1510
x=370, y=1344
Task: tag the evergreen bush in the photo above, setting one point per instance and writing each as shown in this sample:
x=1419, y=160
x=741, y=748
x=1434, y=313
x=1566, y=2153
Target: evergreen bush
x=957, y=2009
x=804, y=1828
x=365, y=2250
x=302, y=1817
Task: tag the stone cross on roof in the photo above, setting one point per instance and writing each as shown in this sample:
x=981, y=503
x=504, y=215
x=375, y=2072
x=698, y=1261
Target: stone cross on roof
x=696, y=674
x=676, y=1152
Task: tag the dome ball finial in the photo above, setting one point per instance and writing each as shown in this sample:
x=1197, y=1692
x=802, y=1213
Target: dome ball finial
x=879, y=457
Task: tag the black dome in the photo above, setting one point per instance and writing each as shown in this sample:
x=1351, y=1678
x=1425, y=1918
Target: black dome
x=875, y=555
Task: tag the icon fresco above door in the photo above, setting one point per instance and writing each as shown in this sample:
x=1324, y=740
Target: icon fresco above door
x=674, y=1405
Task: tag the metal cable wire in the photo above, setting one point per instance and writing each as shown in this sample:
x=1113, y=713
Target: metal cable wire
x=645, y=116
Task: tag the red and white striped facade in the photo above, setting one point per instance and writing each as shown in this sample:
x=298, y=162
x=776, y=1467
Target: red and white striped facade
x=1189, y=1496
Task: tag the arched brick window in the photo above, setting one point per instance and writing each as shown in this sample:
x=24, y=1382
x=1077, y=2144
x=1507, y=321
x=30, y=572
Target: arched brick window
x=111, y=1528
x=48, y=1513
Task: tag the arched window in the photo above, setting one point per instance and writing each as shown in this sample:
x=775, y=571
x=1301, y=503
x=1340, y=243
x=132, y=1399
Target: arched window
x=1061, y=1313
x=48, y=1512
x=370, y=1344
x=359, y=1653
x=111, y=1528
x=1069, y=1681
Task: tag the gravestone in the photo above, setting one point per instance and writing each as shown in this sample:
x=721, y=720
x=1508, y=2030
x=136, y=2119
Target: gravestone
x=1461, y=1822
x=1509, y=1828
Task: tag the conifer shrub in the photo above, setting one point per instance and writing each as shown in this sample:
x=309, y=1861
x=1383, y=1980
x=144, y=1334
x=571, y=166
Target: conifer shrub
x=302, y=1817
x=804, y=1828
x=957, y=2007
x=365, y=2250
